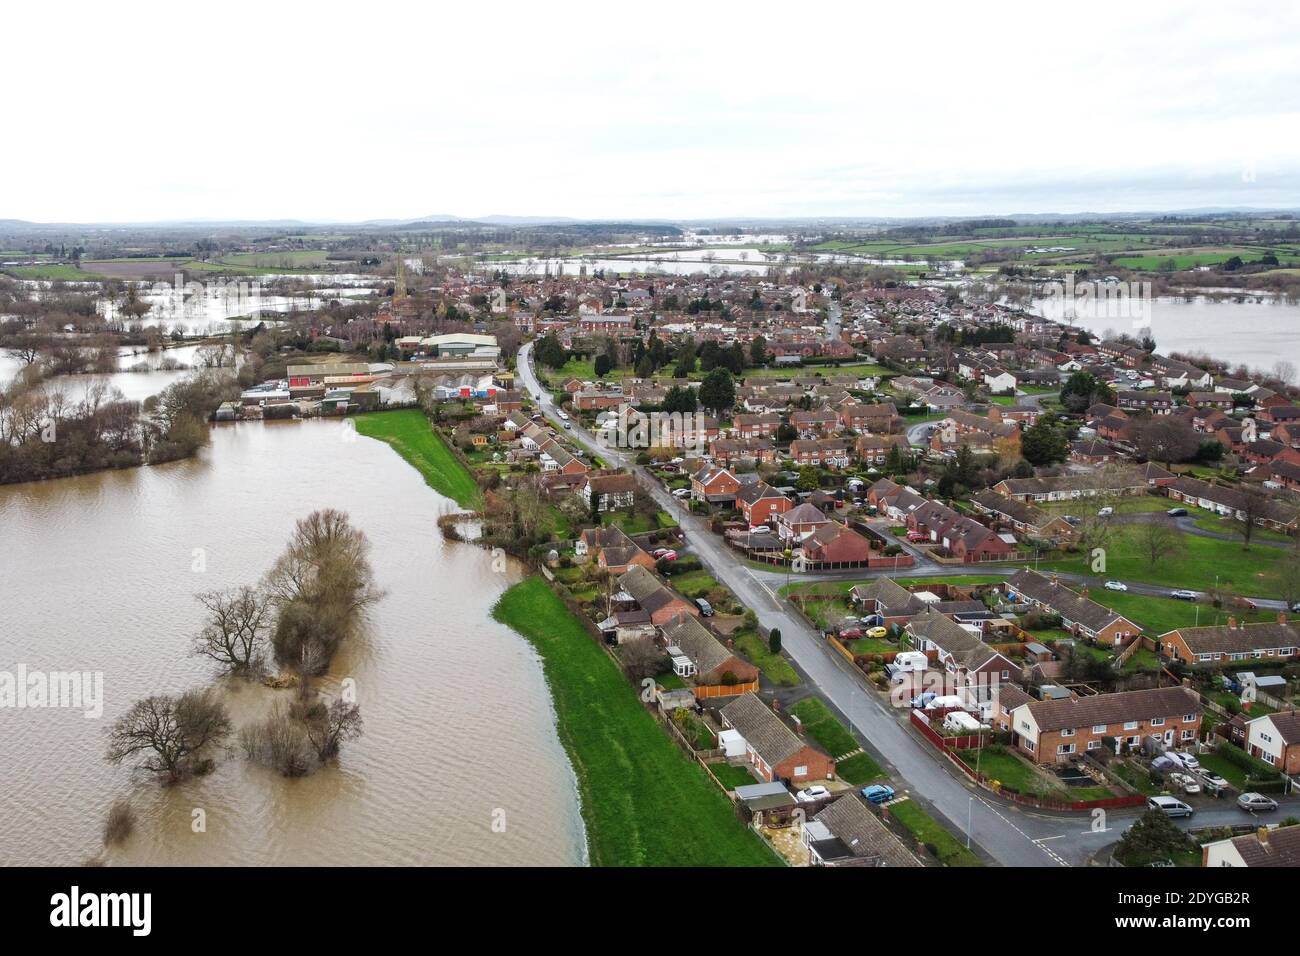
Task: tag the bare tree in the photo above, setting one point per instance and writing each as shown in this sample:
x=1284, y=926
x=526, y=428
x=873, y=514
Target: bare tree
x=238, y=627
x=1158, y=538
x=641, y=658
x=1167, y=439
x=328, y=727
x=1252, y=502
x=170, y=734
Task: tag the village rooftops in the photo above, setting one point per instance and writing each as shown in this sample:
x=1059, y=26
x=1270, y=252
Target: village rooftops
x=1070, y=605
x=1133, y=705
x=1238, y=638
x=863, y=835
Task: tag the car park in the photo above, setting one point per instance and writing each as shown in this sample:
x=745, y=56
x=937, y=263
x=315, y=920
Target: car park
x=1256, y=802
x=812, y=794
x=878, y=793
x=1116, y=586
x=1170, y=806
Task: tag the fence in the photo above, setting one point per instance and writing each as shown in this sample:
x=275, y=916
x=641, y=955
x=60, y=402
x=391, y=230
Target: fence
x=706, y=691
x=949, y=745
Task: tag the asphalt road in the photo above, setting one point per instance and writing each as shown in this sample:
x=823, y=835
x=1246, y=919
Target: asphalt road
x=1004, y=832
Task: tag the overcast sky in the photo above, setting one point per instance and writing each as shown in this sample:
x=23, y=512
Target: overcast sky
x=138, y=112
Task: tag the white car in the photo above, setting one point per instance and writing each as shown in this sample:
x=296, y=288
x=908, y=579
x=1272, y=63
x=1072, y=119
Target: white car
x=1116, y=586
x=1186, y=760
x=760, y=529
x=681, y=492
x=1105, y=512
x=1185, y=782
x=812, y=794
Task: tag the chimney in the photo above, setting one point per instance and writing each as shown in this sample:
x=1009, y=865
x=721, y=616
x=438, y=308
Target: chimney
x=1281, y=617
x=1262, y=835
x=1083, y=592
x=1232, y=623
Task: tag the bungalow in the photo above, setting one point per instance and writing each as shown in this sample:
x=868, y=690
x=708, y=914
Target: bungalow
x=893, y=500
x=1079, y=614
x=1050, y=731
x=710, y=663
x=759, y=502
x=1233, y=641
x=610, y=492
x=1023, y=516
x=612, y=548
x=1264, y=847
x=847, y=833
x=556, y=458
x=653, y=597
x=1230, y=502
x=897, y=605
x=960, y=536
x=771, y=748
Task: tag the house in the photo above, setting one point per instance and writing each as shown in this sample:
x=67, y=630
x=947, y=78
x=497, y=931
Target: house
x=710, y=662
x=847, y=833
x=897, y=605
x=975, y=670
x=759, y=502
x=835, y=545
x=771, y=748
x=1230, y=502
x=893, y=500
x=874, y=448
x=623, y=626
x=714, y=484
x=815, y=424
x=1022, y=516
x=1233, y=641
x=1265, y=847
x=795, y=524
x=610, y=492
x=612, y=548
x=1049, y=731
x=1078, y=613
x=960, y=536
x=881, y=417
x=1275, y=739
x=755, y=426
x=727, y=452
x=653, y=597
x=827, y=452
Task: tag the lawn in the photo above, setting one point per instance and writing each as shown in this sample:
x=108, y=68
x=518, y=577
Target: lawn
x=820, y=724
x=732, y=777
x=1159, y=615
x=860, y=769
x=694, y=583
x=1197, y=565
x=412, y=437
x=1009, y=770
x=643, y=801
x=774, y=667
x=939, y=841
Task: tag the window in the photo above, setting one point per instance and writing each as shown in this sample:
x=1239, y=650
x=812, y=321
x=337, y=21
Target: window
x=1157, y=721
x=801, y=771
x=1065, y=749
x=1067, y=731
x=1189, y=735
x=1029, y=744
x=1130, y=725
x=1189, y=718
x=1098, y=728
x=1094, y=744
x=1266, y=738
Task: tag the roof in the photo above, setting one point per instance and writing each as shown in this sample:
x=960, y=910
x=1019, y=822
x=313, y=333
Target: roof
x=1114, y=708
x=1071, y=605
x=863, y=834
x=1232, y=638
x=1280, y=848
x=763, y=730
x=963, y=646
x=705, y=651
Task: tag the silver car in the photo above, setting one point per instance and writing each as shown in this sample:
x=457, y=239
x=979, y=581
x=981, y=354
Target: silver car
x=1256, y=803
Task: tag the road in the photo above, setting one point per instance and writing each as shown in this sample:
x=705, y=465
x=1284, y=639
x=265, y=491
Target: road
x=1006, y=833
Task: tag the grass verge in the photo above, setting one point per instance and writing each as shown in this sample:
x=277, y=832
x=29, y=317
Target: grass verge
x=411, y=436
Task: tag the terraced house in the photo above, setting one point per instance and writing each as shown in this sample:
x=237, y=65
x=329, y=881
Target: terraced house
x=1050, y=731
x=1234, y=641
x=1079, y=614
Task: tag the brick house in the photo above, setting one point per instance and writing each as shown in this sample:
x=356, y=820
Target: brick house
x=714, y=484
x=612, y=548
x=1050, y=731
x=1079, y=614
x=759, y=502
x=1275, y=739
x=710, y=660
x=873, y=448
x=771, y=748
x=827, y=452
x=755, y=426
x=653, y=597
x=836, y=544
x=795, y=524
x=1233, y=641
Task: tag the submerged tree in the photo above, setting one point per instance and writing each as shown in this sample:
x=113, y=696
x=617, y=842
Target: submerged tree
x=237, y=630
x=171, y=735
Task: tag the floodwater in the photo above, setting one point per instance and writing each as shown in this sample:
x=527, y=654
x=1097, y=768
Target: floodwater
x=1258, y=332
x=459, y=764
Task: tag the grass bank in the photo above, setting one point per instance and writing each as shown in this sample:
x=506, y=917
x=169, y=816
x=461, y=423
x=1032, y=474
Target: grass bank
x=643, y=801
x=412, y=437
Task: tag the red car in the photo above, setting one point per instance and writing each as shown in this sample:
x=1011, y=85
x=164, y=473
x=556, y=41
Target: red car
x=851, y=633
x=916, y=536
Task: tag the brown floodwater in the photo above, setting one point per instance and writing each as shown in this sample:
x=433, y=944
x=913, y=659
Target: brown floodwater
x=459, y=763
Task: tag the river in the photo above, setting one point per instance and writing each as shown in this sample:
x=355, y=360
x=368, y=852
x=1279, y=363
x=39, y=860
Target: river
x=99, y=574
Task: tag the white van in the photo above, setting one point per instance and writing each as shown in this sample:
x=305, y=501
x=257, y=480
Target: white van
x=1172, y=806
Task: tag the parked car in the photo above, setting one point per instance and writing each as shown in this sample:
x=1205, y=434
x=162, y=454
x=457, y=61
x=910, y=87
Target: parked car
x=921, y=701
x=1177, y=512
x=681, y=492
x=1256, y=803
x=850, y=633
x=1183, y=759
x=760, y=529
x=706, y=609
x=658, y=553
x=1073, y=519
x=915, y=536
x=1185, y=782
x=1106, y=512
x=568, y=425
x=1212, y=782
x=1171, y=806
x=812, y=794
x=668, y=556
x=1116, y=586
x=1183, y=595
x=876, y=632
x=878, y=793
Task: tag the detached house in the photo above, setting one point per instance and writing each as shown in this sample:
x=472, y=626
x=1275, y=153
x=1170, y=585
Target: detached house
x=700, y=656
x=772, y=749
x=974, y=668
x=610, y=492
x=653, y=597
x=715, y=485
